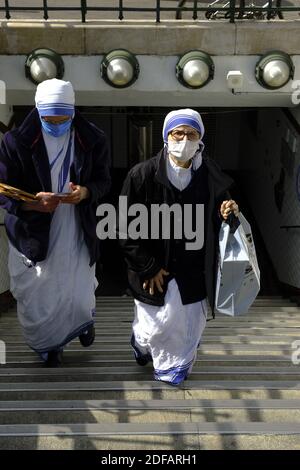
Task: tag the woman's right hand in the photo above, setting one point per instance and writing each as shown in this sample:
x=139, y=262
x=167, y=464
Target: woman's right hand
x=46, y=202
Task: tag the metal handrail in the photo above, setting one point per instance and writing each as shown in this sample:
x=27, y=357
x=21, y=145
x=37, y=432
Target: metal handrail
x=269, y=10
x=233, y=9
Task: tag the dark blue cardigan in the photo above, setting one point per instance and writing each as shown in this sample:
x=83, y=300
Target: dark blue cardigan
x=24, y=164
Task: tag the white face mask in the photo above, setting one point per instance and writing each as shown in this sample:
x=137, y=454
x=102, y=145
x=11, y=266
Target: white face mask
x=183, y=150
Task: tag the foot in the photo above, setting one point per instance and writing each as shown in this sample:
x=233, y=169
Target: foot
x=87, y=338
x=54, y=359
x=143, y=360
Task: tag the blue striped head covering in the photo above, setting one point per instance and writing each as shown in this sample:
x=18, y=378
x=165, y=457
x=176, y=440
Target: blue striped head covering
x=55, y=98
x=182, y=117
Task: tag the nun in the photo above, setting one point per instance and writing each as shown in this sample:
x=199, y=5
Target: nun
x=172, y=285
x=53, y=248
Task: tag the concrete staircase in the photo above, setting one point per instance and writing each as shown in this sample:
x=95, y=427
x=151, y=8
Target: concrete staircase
x=244, y=392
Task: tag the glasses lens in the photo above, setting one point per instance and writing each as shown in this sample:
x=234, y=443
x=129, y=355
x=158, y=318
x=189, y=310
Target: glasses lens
x=179, y=135
x=192, y=135
x=62, y=121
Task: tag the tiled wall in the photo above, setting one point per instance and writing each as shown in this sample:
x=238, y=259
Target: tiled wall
x=270, y=157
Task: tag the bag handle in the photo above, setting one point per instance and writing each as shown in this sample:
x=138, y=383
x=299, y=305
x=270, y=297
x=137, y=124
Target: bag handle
x=233, y=222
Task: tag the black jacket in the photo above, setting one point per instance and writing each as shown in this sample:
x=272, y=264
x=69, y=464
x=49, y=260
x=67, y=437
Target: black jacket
x=148, y=183
x=24, y=164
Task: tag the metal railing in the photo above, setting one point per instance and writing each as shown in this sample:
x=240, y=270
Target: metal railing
x=218, y=9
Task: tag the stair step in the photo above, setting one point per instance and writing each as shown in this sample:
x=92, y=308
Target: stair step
x=143, y=389
x=153, y=442
x=195, y=414
x=19, y=345
x=143, y=386
x=81, y=405
x=44, y=374
x=76, y=359
x=159, y=428
x=109, y=411
x=253, y=333
x=204, y=348
x=200, y=369
x=155, y=385
x=101, y=322
x=127, y=360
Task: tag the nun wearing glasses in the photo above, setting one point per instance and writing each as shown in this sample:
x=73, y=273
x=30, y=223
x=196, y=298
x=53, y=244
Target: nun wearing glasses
x=171, y=284
x=64, y=159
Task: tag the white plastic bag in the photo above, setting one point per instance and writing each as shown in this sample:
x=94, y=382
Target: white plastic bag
x=238, y=278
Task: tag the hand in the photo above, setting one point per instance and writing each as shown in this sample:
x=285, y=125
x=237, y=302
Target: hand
x=47, y=202
x=77, y=194
x=227, y=207
x=156, y=281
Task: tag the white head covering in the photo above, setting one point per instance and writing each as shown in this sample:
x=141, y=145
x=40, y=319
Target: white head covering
x=55, y=97
x=182, y=117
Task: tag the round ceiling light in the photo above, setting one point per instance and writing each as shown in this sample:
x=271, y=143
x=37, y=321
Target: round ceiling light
x=195, y=69
x=274, y=70
x=43, y=64
x=119, y=68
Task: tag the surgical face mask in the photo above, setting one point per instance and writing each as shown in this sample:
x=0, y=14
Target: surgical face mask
x=183, y=150
x=56, y=130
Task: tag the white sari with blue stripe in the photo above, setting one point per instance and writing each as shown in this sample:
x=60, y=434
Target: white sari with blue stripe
x=170, y=335
x=56, y=297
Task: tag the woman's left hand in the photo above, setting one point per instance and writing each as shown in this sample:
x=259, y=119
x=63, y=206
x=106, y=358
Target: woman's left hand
x=227, y=207
x=77, y=194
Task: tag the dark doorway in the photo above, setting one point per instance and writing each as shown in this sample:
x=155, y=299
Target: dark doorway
x=135, y=134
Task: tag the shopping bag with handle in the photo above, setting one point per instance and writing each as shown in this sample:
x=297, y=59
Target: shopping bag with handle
x=238, y=277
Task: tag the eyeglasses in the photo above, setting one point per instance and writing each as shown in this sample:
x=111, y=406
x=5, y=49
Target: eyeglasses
x=179, y=135
x=51, y=121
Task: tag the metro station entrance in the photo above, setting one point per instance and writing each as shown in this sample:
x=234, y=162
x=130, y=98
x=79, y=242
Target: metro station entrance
x=258, y=147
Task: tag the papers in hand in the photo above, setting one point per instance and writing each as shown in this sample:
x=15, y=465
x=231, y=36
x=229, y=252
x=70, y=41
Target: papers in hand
x=62, y=194
x=15, y=193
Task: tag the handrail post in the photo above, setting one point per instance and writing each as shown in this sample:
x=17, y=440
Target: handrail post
x=45, y=7
x=241, y=9
x=232, y=11
x=157, y=11
x=7, y=13
x=279, y=12
x=83, y=10
x=195, y=12
x=121, y=16
x=269, y=9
